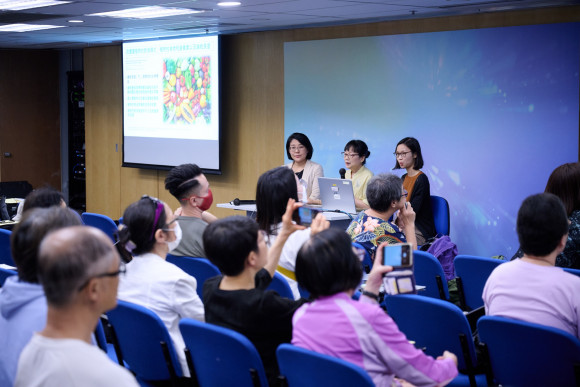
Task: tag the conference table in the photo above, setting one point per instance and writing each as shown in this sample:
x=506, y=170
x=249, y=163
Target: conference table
x=336, y=219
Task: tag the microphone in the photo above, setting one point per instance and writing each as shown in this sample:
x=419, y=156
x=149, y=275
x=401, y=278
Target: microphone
x=238, y=202
x=342, y=172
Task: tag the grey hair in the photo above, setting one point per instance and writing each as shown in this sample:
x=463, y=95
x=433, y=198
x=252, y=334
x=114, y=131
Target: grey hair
x=382, y=190
x=68, y=258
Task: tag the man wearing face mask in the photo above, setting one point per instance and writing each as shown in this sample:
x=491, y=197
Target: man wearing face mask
x=190, y=187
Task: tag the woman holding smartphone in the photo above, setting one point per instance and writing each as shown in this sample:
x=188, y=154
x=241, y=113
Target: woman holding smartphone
x=362, y=333
x=408, y=155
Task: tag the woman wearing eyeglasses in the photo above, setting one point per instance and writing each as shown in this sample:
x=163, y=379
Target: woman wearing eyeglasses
x=299, y=150
x=148, y=233
x=409, y=157
x=355, y=155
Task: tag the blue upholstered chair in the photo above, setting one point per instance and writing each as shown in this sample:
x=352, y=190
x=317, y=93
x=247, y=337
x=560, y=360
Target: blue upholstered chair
x=199, y=268
x=303, y=368
x=526, y=354
x=102, y=222
x=5, y=251
x=5, y=273
x=440, y=208
x=437, y=326
x=219, y=356
x=472, y=273
x=572, y=271
x=142, y=342
x=429, y=273
x=281, y=286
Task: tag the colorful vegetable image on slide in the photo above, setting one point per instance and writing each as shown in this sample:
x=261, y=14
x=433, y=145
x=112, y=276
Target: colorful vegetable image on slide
x=186, y=90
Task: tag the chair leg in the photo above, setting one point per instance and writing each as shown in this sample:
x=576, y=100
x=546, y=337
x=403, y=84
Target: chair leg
x=468, y=360
x=255, y=377
x=488, y=370
x=194, y=381
x=172, y=374
x=116, y=345
x=440, y=286
x=461, y=291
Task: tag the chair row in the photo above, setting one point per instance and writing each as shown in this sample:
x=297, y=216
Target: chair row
x=216, y=356
x=514, y=353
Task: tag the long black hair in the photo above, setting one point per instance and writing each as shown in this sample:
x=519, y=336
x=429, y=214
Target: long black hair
x=274, y=189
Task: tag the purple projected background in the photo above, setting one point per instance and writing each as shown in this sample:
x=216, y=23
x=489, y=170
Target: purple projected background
x=495, y=111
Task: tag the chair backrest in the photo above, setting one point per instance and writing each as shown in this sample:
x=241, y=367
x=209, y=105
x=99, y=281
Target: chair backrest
x=199, y=268
x=5, y=251
x=281, y=286
x=429, y=273
x=304, y=368
x=5, y=273
x=572, y=271
x=527, y=354
x=367, y=261
x=440, y=208
x=221, y=356
x=102, y=222
x=144, y=342
x=435, y=325
x=473, y=272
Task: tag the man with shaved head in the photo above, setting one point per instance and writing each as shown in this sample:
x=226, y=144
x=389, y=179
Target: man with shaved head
x=79, y=269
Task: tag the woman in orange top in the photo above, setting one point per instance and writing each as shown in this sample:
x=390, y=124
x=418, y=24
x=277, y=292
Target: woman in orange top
x=408, y=155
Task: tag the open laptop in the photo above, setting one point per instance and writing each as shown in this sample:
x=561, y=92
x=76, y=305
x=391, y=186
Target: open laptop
x=336, y=194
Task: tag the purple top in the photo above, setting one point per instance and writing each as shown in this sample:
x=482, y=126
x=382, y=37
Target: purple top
x=363, y=334
x=545, y=295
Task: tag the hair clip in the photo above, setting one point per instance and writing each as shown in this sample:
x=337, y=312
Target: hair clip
x=130, y=246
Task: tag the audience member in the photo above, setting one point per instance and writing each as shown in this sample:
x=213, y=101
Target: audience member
x=79, y=271
x=355, y=157
x=149, y=233
x=275, y=188
x=190, y=187
x=372, y=227
x=564, y=182
x=299, y=150
x=531, y=288
x=359, y=332
x=22, y=301
x=43, y=198
x=239, y=300
x=408, y=155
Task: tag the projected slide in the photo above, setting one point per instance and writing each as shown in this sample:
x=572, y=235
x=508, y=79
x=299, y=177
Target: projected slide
x=495, y=111
x=171, y=102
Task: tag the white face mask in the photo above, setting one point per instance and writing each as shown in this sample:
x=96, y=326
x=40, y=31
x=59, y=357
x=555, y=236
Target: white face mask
x=178, y=234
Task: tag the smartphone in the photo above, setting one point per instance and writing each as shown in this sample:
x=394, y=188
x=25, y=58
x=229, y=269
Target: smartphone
x=307, y=215
x=398, y=256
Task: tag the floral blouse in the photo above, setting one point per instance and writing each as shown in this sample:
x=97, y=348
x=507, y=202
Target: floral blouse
x=371, y=232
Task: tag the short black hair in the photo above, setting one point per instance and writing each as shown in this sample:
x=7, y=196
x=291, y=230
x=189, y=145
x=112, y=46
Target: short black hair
x=415, y=148
x=274, y=189
x=43, y=197
x=26, y=237
x=138, y=227
x=302, y=139
x=541, y=224
x=326, y=264
x=229, y=241
x=359, y=147
x=181, y=181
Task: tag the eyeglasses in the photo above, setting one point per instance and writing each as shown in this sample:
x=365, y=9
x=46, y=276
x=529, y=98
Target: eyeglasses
x=298, y=148
x=166, y=227
x=122, y=270
x=401, y=154
x=405, y=193
x=158, y=211
x=348, y=155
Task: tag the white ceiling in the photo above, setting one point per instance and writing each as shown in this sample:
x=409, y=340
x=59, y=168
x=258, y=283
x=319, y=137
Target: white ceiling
x=252, y=15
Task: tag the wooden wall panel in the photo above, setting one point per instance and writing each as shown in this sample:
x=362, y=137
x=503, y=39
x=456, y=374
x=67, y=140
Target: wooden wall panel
x=252, y=105
x=30, y=117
